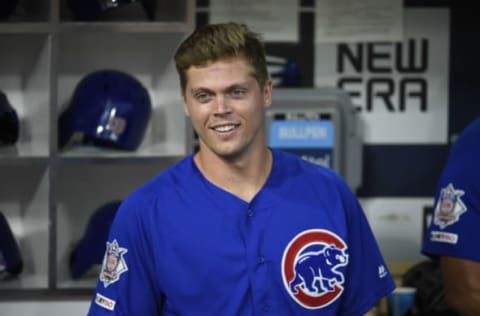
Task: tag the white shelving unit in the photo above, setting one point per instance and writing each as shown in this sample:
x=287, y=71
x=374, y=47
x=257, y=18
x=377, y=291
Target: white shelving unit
x=48, y=194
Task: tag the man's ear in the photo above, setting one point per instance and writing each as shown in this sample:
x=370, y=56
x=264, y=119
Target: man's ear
x=267, y=93
x=185, y=108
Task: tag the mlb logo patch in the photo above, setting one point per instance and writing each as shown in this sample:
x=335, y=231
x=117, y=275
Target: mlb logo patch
x=449, y=206
x=113, y=263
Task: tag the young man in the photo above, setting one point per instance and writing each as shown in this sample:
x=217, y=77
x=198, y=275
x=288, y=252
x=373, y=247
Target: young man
x=238, y=228
x=453, y=235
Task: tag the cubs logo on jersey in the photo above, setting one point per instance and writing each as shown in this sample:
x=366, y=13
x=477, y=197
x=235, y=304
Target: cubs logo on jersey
x=312, y=266
x=113, y=263
x=449, y=206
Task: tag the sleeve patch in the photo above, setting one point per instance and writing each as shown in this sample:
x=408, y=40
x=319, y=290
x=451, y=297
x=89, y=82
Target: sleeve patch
x=105, y=302
x=449, y=206
x=113, y=263
x=444, y=237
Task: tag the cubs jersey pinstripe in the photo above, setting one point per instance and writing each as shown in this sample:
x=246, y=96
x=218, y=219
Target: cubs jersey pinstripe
x=180, y=245
x=456, y=216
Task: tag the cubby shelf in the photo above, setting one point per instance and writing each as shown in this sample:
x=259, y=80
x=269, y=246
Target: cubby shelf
x=47, y=193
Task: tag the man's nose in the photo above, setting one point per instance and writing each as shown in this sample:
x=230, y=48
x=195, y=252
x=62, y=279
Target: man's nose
x=222, y=105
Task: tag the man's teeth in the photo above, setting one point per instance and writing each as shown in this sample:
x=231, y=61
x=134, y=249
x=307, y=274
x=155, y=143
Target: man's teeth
x=225, y=128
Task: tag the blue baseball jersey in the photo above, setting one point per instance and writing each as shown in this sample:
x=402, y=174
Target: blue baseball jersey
x=456, y=217
x=182, y=246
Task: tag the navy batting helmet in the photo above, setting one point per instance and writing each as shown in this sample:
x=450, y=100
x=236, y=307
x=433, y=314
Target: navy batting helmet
x=11, y=262
x=9, y=125
x=89, y=250
x=7, y=7
x=90, y=10
x=109, y=108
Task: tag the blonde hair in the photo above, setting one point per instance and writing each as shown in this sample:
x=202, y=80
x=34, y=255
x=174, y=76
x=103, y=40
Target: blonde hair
x=213, y=42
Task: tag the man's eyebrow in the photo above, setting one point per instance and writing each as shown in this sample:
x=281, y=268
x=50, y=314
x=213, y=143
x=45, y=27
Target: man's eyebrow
x=225, y=89
x=236, y=86
x=200, y=89
x=242, y=85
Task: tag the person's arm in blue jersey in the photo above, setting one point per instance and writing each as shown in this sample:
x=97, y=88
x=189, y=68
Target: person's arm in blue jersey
x=126, y=284
x=453, y=235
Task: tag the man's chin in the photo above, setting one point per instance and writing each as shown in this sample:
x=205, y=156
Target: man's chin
x=227, y=153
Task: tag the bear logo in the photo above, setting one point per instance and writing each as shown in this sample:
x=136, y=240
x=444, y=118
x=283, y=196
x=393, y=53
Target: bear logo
x=313, y=268
x=315, y=271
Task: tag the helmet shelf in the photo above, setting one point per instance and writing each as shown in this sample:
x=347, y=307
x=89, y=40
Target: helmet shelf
x=49, y=191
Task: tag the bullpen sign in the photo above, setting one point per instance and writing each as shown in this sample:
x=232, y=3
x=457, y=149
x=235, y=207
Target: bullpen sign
x=313, y=140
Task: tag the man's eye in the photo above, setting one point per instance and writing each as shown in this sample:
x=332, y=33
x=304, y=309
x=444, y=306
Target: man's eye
x=237, y=93
x=202, y=97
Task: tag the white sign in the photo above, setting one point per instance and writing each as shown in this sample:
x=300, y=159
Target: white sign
x=275, y=20
x=400, y=87
x=397, y=224
x=358, y=20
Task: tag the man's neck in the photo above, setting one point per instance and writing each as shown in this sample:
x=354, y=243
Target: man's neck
x=243, y=176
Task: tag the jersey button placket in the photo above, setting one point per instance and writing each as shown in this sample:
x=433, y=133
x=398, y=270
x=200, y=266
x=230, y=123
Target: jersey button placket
x=258, y=261
x=261, y=259
x=266, y=307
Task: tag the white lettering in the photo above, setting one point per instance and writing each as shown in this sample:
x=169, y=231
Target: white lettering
x=324, y=161
x=310, y=132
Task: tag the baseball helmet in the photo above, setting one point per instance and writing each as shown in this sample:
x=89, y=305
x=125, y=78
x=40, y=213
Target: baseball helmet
x=109, y=108
x=9, y=124
x=291, y=76
x=6, y=8
x=91, y=10
x=89, y=250
x=11, y=262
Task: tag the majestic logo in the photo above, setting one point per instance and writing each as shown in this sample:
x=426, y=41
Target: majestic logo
x=113, y=263
x=310, y=268
x=382, y=271
x=449, y=206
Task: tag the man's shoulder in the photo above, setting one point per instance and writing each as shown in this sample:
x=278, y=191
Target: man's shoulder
x=156, y=192
x=468, y=138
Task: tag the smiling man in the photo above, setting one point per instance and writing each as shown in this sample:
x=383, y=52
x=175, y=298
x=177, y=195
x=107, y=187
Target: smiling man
x=238, y=228
x=226, y=108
